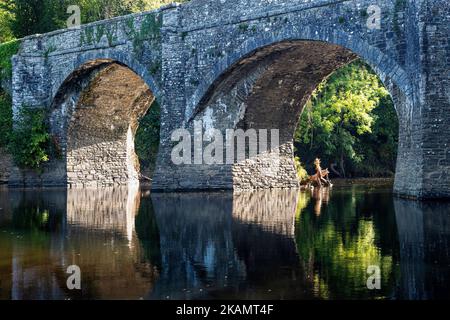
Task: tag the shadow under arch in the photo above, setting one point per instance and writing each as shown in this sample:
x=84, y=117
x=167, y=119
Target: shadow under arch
x=268, y=81
x=93, y=120
x=389, y=71
x=123, y=58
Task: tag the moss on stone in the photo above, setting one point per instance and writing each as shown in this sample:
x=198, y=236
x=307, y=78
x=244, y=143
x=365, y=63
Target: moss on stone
x=94, y=34
x=111, y=33
x=243, y=27
x=87, y=36
x=7, y=50
x=399, y=6
x=149, y=30
x=155, y=67
x=51, y=48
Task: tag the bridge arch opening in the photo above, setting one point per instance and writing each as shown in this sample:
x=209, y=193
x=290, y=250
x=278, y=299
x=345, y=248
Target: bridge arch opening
x=94, y=120
x=269, y=89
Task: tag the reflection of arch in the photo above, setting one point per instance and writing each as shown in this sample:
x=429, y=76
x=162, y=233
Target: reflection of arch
x=272, y=210
x=101, y=227
x=108, y=209
x=97, y=234
x=94, y=118
x=211, y=242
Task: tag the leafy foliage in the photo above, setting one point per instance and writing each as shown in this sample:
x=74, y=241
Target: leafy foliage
x=20, y=18
x=302, y=174
x=7, y=50
x=5, y=119
x=147, y=139
x=30, y=141
x=29, y=16
x=5, y=30
x=350, y=122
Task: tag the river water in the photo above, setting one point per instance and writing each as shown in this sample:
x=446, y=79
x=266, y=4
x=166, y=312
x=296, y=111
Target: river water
x=279, y=244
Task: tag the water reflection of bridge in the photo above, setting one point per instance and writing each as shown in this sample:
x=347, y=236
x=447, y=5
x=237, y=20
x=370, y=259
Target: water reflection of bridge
x=424, y=235
x=217, y=243
x=89, y=228
x=192, y=245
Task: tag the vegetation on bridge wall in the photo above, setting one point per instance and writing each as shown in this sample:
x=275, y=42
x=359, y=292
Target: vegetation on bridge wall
x=5, y=118
x=7, y=50
x=147, y=139
x=28, y=143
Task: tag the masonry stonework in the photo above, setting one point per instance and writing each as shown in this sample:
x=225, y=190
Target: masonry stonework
x=249, y=64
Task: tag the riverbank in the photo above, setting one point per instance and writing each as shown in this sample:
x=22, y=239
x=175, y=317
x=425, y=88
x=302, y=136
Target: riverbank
x=370, y=182
x=374, y=182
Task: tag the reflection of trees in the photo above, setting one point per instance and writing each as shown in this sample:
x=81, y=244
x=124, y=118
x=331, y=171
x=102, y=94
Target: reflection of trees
x=37, y=212
x=337, y=247
x=5, y=210
x=35, y=226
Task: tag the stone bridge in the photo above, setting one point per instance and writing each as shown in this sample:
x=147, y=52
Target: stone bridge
x=249, y=64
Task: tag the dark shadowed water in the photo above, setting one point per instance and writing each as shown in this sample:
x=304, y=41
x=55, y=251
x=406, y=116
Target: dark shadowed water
x=284, y=244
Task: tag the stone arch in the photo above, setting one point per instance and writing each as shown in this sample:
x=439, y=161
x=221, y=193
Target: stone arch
x=389, y=71
x=122, y=57
x=93, y=119
x=268, y=89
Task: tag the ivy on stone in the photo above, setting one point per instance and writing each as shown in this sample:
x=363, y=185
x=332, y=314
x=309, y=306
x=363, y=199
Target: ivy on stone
x=7, y=50
x=30, y=140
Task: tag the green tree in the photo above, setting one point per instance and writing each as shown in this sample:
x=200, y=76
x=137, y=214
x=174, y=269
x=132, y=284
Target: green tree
x=20, y=18
x=379, y=148
x=341, y=116
x=6, y=33
x=147, y=139
x=29, y=16
x=5, y=119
